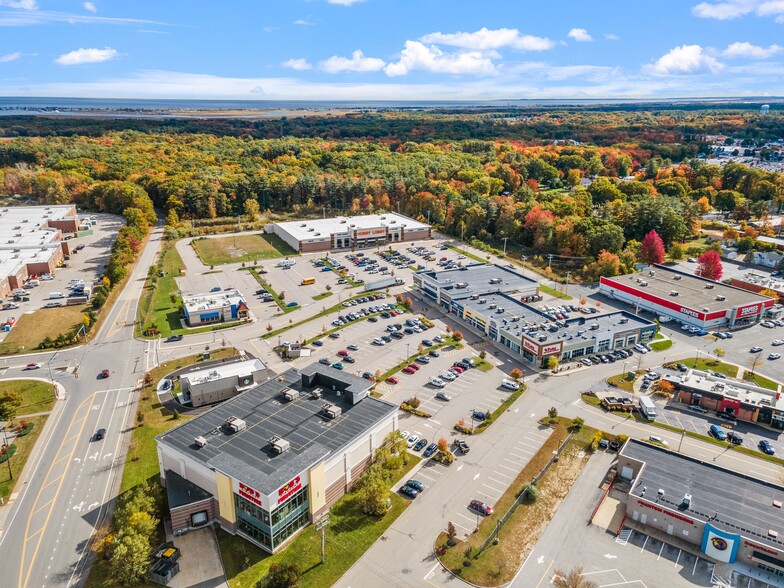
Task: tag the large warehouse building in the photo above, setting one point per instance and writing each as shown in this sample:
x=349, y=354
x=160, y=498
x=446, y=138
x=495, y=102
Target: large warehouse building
x=268, y=461
x=687, y=298
x=728, y=516
x=354, y=232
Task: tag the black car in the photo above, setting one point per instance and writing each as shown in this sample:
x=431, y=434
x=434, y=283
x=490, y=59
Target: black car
x=386, y=338
x=734, y=438
x=431, y=449
x=614, y=446
x=396, y=335
x=349, y=359
x=420, y=445
x=100, y=434
x=408, y=491
x=173, y=338
x=334, y=335
x=325, y=361
x=681, y=367
x=317, y=343
x=373, y=319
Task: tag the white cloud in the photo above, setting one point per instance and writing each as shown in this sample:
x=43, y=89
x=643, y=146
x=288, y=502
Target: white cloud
x=357, y=63
x=304, y=23
x=298, y=64
x=729, y=9
x=611, y=37
x=484, y=39
x=36, y=17
x=10, y=57
x=80, y=56
x=21, y=4
x=418, y=57
x=579, y=35
x=90, y=7
x=546, y=71
x=684, y=60
x=345, y=2
x=746, y=49
x=270, y=29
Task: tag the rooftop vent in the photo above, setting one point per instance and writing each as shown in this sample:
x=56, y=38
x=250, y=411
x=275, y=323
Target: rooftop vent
x=235, y=424
x=316, y=393
x=303, y=225
x=709, y=286
x=623, y=321
x=279, y=445
x=773, y=534
x=673, y=292
x=660, y=492
x=777, y=504
x=461, y=285
x=720, y=297
x=200, y=441
x=331, y=411
x=495, y=280
x=651, y=273
x=290, y=394
x=643, y=283
x=594, y=326
x=677, y=277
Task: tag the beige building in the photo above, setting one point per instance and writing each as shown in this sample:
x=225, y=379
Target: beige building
x=265, y=463
x=222, y=381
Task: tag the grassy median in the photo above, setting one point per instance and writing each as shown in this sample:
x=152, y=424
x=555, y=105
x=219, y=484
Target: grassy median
x=240, y=248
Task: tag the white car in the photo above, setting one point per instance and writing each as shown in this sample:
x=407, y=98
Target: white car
x=352, y=347
x=777, y=342
x=437, y=382
x=445, y=375
x=412, y=441
x=510, y=384
x=378, y=341
x=443, y=396
x=659, y=440
x=774, y=356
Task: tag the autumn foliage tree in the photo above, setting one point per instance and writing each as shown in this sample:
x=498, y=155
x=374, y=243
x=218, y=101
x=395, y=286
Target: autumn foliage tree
x=709, y=266
x=652, y=248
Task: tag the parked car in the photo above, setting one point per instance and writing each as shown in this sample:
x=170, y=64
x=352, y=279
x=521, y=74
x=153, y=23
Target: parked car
x=698, y=408
x=480, y=507
x=765, y=447
x=325, y=361
x=411, y=441
x=416, y=485
x=368, y=376
x=408, y=491
x=437, y=382
x=334, y=335
x=392, y=380
x=431, y=449
x=443, y=396
x=718, y=432
x=510, y=384
x=734, y=438
x=462, y=446
x=420, y=444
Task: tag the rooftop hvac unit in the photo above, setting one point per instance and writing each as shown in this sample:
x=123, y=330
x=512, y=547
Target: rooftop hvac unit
x=623, y=321
x=200, y=441
x=677, y=277
x=709, y=286
x=495, y=280
x=493, y=305
x=643, y=283
x=235, y=424
x=315, y=393
x=720, y=297
x=461, y=285
x=673, y=292
x=279, y=445
x=594, y=326
x=290, y=394
x=331, y=411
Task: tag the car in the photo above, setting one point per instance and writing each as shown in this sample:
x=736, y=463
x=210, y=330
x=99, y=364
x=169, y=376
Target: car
x=386, y=339
x=462, y=446
x=99, y=434
x=443, y=396
x=438, y=339
x=456, y=369
x=659, y=440
x=292, y=304
x=510, y=384
x=480, y=507
x=368, y=376
x=337, y=365
x=416, y=485
x=723, y=414
x=32, y=366
x=765, y=447
x=420, y=445
x=698, y=408
x=423, y=359
x=777, y=342
x=408, y=491
x=692, y=260
x=717, y=432
x=604, y=443
x=349, y=359
x=446, y=375
x=413, y=366
x=469, y=362
x=434, y=353
x=378, y=341
x=334, y=335
x=734, y=438
x=325, y=361
x=681, y=367
x=774, y=355
x=104, y=374
x=392, y=380
x=343, y=353
x=173, y=338
x=411, y=441
x=431, y=449
x=478, y=415
x=755, y=349
x=318, y=343
x=215, y=289
x=437, y=382
x=352, y=347
x=427, y=342
x=586, y=361
x=409, y=370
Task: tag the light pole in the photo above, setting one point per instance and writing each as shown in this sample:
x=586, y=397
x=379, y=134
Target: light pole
x=505, y=240
x=8, y=459
x=566, y=290
x=321, y=523
x=408, y=345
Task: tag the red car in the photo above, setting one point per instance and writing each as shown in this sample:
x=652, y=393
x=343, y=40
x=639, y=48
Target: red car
x=409, y=370
x=443, y=259
x=105, y=374
x=342, y=353
x=456, y=368
x=481, y=507
x=392, y=380
x=414, y=367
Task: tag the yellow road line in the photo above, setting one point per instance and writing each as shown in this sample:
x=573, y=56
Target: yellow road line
x=25, y=578
x=547, y=571
x=42, y=506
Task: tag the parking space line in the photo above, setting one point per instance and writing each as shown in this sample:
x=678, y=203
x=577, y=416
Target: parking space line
x=498, y=481
x=493, y=488
x=644, y=543
x=508, y=468
x=694, y=569
x=660, y=551
x=677, y=559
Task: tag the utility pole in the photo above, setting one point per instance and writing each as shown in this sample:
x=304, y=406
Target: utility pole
x=566, y=290
x=550, y=261
x=505, y=240
x=321, y=524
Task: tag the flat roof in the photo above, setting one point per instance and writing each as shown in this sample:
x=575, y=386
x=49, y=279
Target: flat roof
x=477, y=278
x=744, y=391
x=35, y=215
x=323, y=227
x=763, y=281
x=742, y=504
x=227, y=370
x=246, y=455
x=692, y=290
x=212, y=300
x=181, y=492
x=570, y=331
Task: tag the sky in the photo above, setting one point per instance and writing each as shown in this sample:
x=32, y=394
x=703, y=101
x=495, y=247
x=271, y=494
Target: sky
x=391, y=49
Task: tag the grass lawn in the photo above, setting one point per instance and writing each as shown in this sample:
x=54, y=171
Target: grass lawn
x=239, y=248
x=510, y=400
x=554, y=292
x=24, y=445
x=623, y=382
x=349, y=534
x=661, y=345
x=323, y=295
x=482, y=364
x=497, y=564
x=156, y=307
x=142, y=460
x=32, y=328
x=760, y=381
x=36, y=396
x=713, y=365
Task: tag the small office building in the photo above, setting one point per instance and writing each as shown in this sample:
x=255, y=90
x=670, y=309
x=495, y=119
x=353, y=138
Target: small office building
x=729, y=517
x=266, y=462
x=740, y=399
x=215, y=307
x=222, y=381
x=353, y=232
x=687, y=298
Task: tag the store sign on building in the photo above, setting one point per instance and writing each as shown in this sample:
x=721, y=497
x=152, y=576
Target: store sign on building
x=371, y=233
x=286, y=491
x=531, y=347
x=690, y=312
x=748, y=310
x=250, y=494
x=550, y=349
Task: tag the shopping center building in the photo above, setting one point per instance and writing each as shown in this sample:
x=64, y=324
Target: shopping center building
x=215, y=307
x=265, y=463
x=353, y=232
x=687, y=298
x=727, y=516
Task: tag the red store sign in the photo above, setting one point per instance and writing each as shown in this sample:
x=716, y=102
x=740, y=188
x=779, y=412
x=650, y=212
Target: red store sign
x=285, y=492
x=530, y=346
x=665, y=512
x=761, y=548
x=548, y=349
x=371, y=233
x=250, y=494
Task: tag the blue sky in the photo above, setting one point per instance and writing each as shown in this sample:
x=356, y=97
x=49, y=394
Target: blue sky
x=391, y=49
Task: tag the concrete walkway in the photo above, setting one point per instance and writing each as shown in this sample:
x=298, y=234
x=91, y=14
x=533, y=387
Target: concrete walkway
x=200, y=564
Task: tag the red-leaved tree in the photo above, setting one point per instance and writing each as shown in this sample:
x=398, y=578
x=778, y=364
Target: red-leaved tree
x=652, y=248
x=709, y=265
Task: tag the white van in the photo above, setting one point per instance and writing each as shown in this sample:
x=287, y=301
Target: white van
x=52, y=304
x=33, y=283
x=510, y=384
x=56, y=295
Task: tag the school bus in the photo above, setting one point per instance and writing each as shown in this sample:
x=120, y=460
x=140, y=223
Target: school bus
x=308, y=281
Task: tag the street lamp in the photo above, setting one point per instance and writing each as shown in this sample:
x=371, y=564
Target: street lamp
x=8, y=459
x=505, y=240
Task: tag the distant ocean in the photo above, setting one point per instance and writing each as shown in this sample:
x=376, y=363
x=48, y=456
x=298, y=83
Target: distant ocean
x=158, y=108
